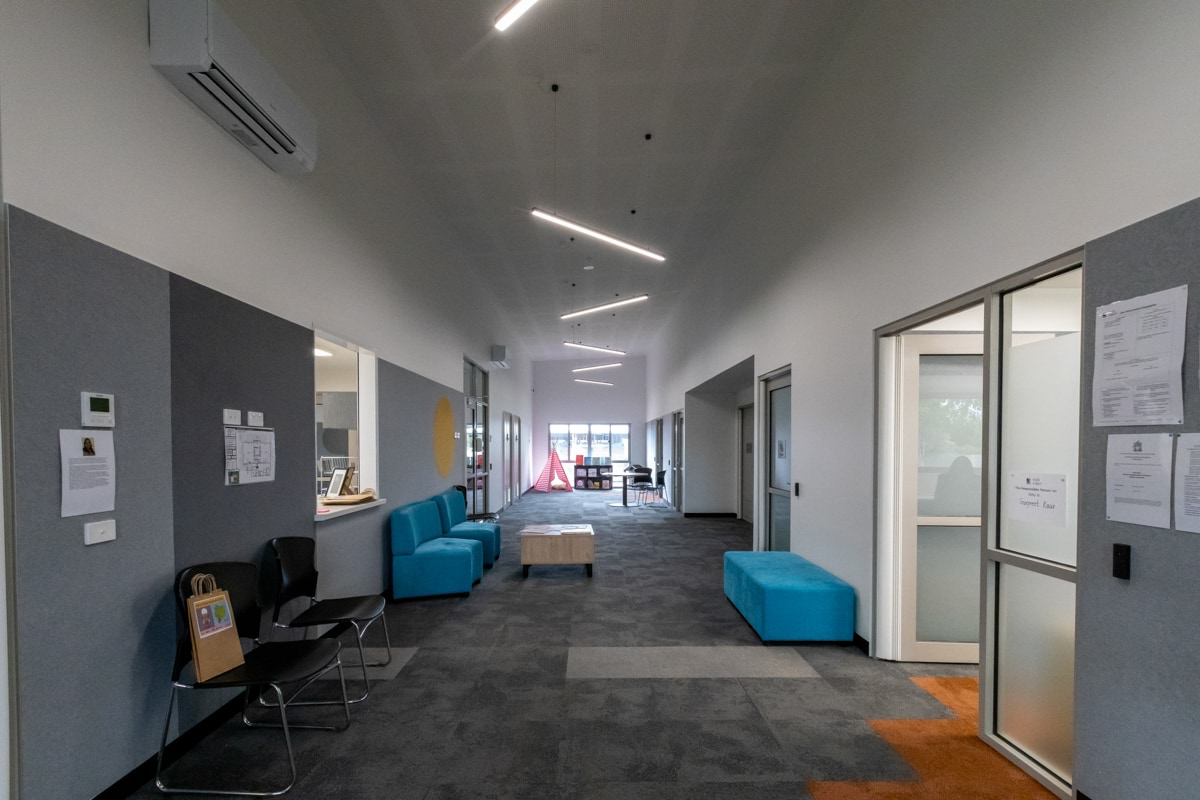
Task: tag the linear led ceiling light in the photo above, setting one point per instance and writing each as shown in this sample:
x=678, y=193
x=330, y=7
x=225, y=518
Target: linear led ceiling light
x=598, y=366
x=606, y=306
x=594, y=383
x=319, y=353
x=594, y=347
x=595, y=234
x=513, y=13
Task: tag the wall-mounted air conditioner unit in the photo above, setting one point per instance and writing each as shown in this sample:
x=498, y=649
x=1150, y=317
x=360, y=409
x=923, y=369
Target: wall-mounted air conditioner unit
x=202, y=52
x=499, y=356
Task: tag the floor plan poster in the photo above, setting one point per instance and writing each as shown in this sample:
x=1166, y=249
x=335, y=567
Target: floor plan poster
x=1138, y=378
x=249, y=455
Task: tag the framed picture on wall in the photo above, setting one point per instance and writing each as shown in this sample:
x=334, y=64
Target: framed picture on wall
x=337, y=482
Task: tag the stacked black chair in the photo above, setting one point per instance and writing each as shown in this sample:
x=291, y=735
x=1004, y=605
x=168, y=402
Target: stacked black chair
x=642, y=483
x=489, y=516
x=297, y=573
x=269, y=666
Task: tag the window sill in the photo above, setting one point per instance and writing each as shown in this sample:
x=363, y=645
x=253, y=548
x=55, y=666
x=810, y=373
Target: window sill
x=325, y=513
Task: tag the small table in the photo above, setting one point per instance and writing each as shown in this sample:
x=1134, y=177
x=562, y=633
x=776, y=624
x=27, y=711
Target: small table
x=557, y=544
x=629, y=473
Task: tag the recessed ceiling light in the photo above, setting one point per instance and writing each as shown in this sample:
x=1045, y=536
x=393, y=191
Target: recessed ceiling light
x=606, y=306
x=595, y=234
x=598, y=366
x=594, y=383
x=594, y=347
x=319, y=353
x=511, y=14
x=589, y=266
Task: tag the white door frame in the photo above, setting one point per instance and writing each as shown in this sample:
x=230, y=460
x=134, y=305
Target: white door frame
x=884, y=641
x=763, y=449
x=908, y=519
x=744, y=412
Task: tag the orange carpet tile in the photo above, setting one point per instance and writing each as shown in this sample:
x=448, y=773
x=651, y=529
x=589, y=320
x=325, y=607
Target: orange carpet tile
x=952, y=762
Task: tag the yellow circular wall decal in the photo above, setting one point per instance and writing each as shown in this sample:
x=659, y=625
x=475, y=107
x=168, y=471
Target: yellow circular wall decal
x=443, y=437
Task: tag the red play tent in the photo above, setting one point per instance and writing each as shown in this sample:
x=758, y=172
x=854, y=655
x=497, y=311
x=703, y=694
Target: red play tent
x=553, y=467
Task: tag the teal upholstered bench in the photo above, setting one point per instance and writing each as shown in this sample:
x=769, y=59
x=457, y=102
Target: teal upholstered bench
x=786, y=598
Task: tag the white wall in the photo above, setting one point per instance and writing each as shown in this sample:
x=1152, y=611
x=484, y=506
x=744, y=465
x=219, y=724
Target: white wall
x=96, y=140
x=710, y=444
x=557, y=398
x=509, y=390
x=946, y=144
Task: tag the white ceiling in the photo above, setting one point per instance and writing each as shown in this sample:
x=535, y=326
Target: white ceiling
x=471, y=111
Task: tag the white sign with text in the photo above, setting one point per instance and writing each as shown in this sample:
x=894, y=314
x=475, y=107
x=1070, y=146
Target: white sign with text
x=1039, y=498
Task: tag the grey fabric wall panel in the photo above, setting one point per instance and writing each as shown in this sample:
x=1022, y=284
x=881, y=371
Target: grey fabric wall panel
x=407, y=470
x=227, y=354
x=353, y=552
x=1137, y=714
x=95, y=625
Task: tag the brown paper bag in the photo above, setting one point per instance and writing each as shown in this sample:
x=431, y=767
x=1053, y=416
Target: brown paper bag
x=215, y=644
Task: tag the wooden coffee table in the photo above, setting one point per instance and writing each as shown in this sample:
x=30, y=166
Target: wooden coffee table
x=557, y=544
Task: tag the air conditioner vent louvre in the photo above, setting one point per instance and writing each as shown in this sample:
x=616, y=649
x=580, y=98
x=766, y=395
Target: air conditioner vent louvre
x=196, y=46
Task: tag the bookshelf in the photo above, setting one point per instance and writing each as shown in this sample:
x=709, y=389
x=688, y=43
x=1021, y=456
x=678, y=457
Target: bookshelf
x=593, y=476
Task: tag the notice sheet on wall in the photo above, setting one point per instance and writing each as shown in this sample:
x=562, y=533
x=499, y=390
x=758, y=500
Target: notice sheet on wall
x=1039, y=498
x=89, y=472
x=1139, y=479
x=1187, y=483
x=1138, y=378
x=249, y=455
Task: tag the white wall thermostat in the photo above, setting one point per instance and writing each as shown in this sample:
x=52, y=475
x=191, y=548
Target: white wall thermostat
x=97, y=410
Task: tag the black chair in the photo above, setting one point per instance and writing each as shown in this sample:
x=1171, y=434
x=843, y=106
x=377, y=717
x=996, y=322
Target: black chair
x=268, y=666
x=655, y=489
x=641, y=481
x=298, y=578
x=489, y=516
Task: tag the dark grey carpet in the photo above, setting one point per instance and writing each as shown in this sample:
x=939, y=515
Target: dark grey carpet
x=484, y=708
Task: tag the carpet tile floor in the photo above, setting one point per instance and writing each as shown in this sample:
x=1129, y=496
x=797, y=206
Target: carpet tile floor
x=484, y=708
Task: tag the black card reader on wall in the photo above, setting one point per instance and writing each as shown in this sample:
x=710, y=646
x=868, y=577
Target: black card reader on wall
x=1122, y=556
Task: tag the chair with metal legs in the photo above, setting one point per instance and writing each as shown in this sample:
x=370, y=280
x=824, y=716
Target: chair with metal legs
x=297, y=574
x=655, y=489
x=269, y=666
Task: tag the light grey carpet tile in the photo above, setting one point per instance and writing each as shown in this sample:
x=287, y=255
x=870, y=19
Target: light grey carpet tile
x=686, y=662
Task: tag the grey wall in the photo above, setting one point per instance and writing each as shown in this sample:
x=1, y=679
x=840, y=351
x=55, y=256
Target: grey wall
x=95, y=625
x=353, y=552
x=1137, y=713
x=227, y=354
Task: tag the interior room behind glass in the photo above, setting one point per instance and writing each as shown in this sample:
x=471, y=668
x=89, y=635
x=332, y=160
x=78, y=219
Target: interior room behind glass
x=336, y=386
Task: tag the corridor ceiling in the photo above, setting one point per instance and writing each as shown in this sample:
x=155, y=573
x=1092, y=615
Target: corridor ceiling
x=471, y=112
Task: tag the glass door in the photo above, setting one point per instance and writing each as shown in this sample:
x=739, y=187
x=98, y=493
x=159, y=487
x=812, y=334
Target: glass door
x=779, y=463
x=1030, y=555
x=516, y=458
x=475, y=420
x=941, y=452
x=677, y=461
x=506, y=469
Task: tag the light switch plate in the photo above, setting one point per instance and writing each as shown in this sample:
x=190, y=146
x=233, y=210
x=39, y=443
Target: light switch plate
x=233, y=416
x=254, y=419
x=97, y=532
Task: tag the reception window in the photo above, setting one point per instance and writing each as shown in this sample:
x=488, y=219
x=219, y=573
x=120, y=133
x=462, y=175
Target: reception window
x=345, y=413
